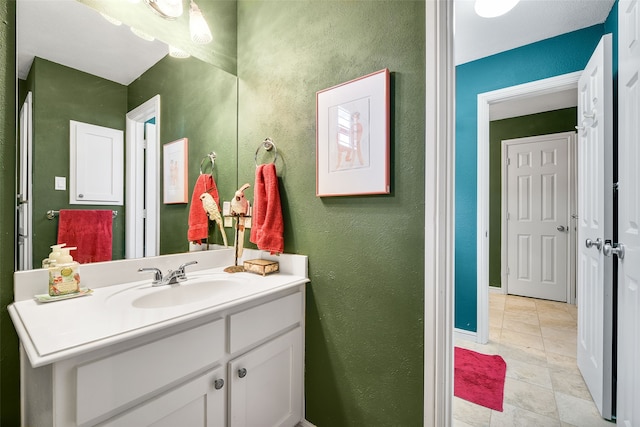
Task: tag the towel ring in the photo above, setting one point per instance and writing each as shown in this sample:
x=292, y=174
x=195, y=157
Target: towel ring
x=267, y=144
x=211, y=157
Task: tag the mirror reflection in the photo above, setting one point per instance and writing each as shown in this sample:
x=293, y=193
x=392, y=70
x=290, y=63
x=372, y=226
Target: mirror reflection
x=78, y=78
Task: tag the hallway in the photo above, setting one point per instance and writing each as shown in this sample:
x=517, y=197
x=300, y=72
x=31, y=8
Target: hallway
x=543, y=387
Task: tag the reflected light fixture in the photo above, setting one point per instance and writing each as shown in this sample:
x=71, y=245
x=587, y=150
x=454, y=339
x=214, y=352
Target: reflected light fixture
x=168, y=9
x=142, y=34
x=114, y=21
x=177, y=53
x=200, y=32
x=494, y=8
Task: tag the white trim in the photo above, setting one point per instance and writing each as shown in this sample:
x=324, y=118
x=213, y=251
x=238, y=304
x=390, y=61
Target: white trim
x=134, y=191
x=461, y=334
x=540, y=87
x=439, y=214
x=305, y=423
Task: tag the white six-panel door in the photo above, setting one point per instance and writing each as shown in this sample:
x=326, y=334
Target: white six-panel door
x=537, y=223
x=595, y=225
x=628, y=391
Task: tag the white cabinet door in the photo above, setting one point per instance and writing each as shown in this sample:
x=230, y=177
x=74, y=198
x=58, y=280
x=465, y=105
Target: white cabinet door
x=266, y=384
x=96, y=162
x=198, y=403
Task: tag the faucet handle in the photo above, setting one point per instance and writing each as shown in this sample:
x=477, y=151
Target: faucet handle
x=157, y=277
x=182, y=267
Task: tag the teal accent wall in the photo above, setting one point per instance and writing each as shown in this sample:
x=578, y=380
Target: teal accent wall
x=563, y=120
x=61, y=94
x=552, y=57
x=197, y=102
x=9, y=362
x=365, y=303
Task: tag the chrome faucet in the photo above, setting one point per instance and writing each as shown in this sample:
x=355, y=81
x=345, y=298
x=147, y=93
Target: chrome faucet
x=173, y=276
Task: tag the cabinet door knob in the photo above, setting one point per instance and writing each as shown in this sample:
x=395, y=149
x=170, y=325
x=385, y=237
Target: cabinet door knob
x=242, y=372
x=218, y=384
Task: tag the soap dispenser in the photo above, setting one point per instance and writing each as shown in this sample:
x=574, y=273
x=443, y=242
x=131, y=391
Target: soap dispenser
x=64, y=276
x=53, y=256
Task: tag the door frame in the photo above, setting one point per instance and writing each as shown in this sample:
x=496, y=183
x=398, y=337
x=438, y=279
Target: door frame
x=571, y=208
x=135, y=172
x=523, y=91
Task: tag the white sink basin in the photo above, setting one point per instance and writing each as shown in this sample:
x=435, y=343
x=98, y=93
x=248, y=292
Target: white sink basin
x=191, y=291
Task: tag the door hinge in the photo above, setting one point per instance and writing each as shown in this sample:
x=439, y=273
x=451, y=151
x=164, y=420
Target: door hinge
x=144, y=213
x=508, y=161
x=616, y=185
x=508, y=216
x=144, y=144
x=508, y=271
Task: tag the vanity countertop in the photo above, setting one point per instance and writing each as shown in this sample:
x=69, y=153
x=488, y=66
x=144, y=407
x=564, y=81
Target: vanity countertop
x=57, y=330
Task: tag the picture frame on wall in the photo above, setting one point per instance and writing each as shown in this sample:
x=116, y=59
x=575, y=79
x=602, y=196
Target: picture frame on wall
x=353, y=137
x=175, y=171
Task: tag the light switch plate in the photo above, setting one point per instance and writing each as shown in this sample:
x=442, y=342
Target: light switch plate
x=60, y=183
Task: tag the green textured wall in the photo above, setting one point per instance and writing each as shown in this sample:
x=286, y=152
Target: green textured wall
x=9, y=363
x=61, y=94
x=365, y=303
x=198, y=102
x=518, y=127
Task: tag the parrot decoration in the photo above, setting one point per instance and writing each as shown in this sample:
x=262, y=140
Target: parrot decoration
x=240, y=209
x=213, y=212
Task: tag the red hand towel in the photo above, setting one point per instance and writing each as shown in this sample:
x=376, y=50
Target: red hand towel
x=267, y=225
x=198, y=220
x=90, y=231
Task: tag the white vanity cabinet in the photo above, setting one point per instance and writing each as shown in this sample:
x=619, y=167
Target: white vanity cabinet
x=241, y=366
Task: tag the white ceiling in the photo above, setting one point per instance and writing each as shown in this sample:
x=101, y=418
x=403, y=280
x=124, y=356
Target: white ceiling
x=530, y=21
x=72, y=34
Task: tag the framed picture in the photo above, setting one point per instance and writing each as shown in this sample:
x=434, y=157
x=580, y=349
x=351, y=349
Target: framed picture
x=352, y=137
x=175, y=170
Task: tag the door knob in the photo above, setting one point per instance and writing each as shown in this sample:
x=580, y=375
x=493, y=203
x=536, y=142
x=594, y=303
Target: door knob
x=613, y=249
x=560, y=228
x=589, y=243
x=218, y=384
x=242, y=372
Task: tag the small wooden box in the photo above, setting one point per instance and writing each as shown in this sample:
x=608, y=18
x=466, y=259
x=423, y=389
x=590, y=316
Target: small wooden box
x=261, y=266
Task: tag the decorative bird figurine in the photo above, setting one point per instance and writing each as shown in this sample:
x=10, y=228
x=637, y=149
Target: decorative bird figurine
x=213, y=212
x=240, y=209
x=240, y=204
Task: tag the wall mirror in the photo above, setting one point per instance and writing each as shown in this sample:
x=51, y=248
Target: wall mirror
x=78, y=76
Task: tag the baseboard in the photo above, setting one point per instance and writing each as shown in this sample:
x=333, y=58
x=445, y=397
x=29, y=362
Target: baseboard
x=496, y=290
x=461, y=334
x=305, y=423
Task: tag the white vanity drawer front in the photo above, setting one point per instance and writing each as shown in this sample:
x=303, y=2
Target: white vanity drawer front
x=257, y=323
x=109, y=383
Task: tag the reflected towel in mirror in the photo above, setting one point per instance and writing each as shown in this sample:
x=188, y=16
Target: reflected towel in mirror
x=198, y=219
x=90, y=231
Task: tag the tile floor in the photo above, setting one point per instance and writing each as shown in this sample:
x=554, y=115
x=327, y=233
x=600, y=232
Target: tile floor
x=543, y=386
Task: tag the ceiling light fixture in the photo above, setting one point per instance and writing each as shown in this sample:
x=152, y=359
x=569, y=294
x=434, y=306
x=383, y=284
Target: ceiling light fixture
x=200, y=32
x=168, y=9
x=494, y=8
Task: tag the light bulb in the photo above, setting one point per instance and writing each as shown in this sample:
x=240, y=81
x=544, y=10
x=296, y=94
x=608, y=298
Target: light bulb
x=200, y=32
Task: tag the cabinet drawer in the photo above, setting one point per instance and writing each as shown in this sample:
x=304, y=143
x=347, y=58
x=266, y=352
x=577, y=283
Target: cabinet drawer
x=109, y=383
x=255, y=324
